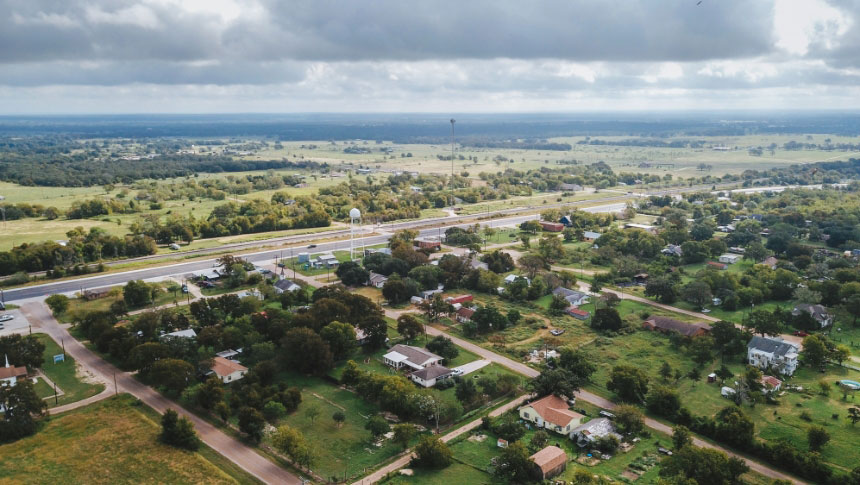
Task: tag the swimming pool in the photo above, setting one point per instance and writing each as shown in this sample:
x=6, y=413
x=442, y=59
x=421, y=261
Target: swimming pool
x=852, y=384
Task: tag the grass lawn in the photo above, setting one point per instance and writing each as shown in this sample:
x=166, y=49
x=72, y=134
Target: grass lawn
x=456, y=473
x=112, y=441
x=338, y=450
x=64, y=374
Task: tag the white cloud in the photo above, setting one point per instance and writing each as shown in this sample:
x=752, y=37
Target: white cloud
x=799, y=23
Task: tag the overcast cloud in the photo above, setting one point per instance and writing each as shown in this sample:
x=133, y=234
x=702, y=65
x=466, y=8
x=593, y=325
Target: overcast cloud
x=111, y=56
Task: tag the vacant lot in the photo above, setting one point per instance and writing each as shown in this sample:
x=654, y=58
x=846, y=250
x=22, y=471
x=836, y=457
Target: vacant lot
x=113, y=441
x=65, y=375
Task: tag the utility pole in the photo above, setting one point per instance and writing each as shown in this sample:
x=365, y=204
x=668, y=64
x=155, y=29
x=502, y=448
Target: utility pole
x=452, y=162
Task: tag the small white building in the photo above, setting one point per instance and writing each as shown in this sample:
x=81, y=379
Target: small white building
x=227, y=370
x=512, y=277
x=376, y=280
x=428, y=376
x=729, y=258
x=327, y=260
x=285, y=285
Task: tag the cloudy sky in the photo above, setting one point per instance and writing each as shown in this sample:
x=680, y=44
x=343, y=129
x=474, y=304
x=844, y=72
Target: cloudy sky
x=205, y=56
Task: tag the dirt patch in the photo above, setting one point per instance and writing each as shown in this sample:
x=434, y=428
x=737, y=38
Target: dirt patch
x=477, y=438
x=86, y=376
x=629, y=475
x=587, y=461
x=625, y=447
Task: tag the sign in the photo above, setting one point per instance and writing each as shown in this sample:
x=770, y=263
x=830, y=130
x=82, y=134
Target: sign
x=59, y=358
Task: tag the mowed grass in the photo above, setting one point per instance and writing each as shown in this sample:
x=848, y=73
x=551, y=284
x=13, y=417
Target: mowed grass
x=64, y=374
x=113, y=441
x=80, y=305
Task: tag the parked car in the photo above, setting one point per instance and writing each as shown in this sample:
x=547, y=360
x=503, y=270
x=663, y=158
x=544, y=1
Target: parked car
x=185, y=288
x=557, y=331
x=311, y=246
x=800, y=333
x=6, y=317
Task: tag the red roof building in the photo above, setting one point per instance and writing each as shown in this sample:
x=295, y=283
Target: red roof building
x=551, y=226
x=459, y=299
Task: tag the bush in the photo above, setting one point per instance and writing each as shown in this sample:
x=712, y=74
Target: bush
x=178, y=432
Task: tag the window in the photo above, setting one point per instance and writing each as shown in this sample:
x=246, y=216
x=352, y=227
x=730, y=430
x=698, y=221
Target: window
x=526, y=415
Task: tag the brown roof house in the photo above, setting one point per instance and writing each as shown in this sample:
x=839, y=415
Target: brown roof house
x=549, y=462
x=228, y=370
x=666, y=325
x=464, y=314
x=551, y=412
x=10, y=374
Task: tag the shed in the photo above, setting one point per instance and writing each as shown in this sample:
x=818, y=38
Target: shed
x=549, y=462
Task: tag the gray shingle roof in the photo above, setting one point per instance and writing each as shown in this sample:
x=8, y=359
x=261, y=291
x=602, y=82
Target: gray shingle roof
x=772, y=346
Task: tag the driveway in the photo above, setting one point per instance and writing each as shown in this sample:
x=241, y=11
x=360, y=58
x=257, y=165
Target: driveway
x=472, y=366
x=234, y=450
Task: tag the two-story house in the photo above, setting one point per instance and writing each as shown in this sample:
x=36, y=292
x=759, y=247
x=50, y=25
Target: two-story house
x=764, y=352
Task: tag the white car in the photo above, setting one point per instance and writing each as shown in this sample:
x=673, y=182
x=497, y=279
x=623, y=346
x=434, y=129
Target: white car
x=457, y=372
x=6, y=317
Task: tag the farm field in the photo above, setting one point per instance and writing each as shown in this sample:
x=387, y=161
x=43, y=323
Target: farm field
x=112, y=441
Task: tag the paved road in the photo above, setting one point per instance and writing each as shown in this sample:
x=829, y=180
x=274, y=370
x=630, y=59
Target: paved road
x=234, y=450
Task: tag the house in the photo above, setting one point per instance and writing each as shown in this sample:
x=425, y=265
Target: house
x=416, y=300
x=251, y=293
x=512, y=277
x=586, y=434
x=570, y=187
x=428, y=243
x=285, y=285
x=667, y=325
x=771, y=383
x=737, y=250
x=818, y=312
x=376, y=280
x=96, y=294
x=368, y=252
x=551, y=412
x=206, y=274
x=575, y=298
x=756, y=217
x=464, y=314
x=726, y=228
x=428, y=376
x=187, y=333
x=640, y=278
x=551, y=226
x=10, y=374
x=409, y=356
x=590, y=236
x=229, y=354
x=566, y=221
x=577, y=313
x=459, y=299
x=228, y=370
x=730, y=258
x=770, y=262
x=327, y=260
x=644, y=227
x=715, y=265
x=672, y=250
x=427, y=294
x=765, y=352
x=549, y=462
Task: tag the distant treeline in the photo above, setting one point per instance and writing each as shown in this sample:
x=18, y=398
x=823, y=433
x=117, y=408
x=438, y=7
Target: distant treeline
x=645, y=142
x=522, y=145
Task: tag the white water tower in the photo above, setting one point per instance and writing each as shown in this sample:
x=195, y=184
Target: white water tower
x=354, y=219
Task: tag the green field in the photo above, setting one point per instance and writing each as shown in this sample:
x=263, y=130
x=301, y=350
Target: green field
x=112, y=441
x=64, y=374
x=81, y=305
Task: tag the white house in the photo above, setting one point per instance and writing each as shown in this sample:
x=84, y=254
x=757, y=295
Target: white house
x=512, y=277
x=413, y=357
x=376, y=280
x=10, y=374
x=285, y=285
x=764, y=352
x=551, y=412
x=228, y=370
x=428, y=376
x=327, y=260
x=575, y=298
x=729, y=258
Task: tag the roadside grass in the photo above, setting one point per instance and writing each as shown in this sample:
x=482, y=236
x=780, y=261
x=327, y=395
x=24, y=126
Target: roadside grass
x=294, y=264
x=112, y=441
x=455, y=473
x=80, y=305
x=64, y=374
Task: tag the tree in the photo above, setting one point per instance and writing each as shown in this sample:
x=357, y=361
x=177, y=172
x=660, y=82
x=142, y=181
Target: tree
x=489, y=317
x=666, y=371
x=137, y=293
x=854, y=415
x=538, y=441
x=22, y=408
x=558, y=305
x=763, y=322
x=396, y=291
x=340, y=338
x=701, y=349
x=467, y=392
x=531, y=264
x=696, y=292
x=514, y=465
x=606, y=319
x=338, y=417
x=662, y=288
x=814, y=351
x=378, y=426
x=681, y=437
x=178, y=432
x=306, y=352
x=663, y=401
x=403, y=434
x=724, y=373
x=273, y=411
x=550, y=248
x=734, y=427
x=351, y=273
x=443, y=347
x=628, y=419
x=22, y=350
x=703, y=466
x=629, y=383
x=409, y=327
x=292, y=443
x=172, y=374
x=579, y=364
x=497, y=261
x=840, y=354
x=435, y=307
x=57, y=303
x=431, y=452
x=251, y=422
x=817, y=438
